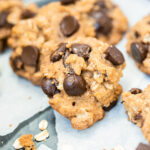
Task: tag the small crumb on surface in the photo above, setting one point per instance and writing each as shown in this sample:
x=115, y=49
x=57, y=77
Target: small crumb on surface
x=10, y=125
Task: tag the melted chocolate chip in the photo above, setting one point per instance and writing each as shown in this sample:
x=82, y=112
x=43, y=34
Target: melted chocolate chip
x=82, y=50
x=135, y=91
x=138, y=51
x=113, y=104
x=57, y=55
x=30, y=55
x=26, y=14
x=138, y=116
x=103, y=23
x=69, y=25
x=142, y=146
x=66, y=2
x=3, y=19
x=114, y=56
x=74, y=85
x=137, y=34
x=67, y=53
x=17, y=63
x=101, y=4
x=49, y=87
x=2, y=45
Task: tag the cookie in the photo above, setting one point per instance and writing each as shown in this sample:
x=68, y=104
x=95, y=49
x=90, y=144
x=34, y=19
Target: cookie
x=81, y=78
x=137, y=105
x=107, y=21
x=12, y=11
x=138, y=45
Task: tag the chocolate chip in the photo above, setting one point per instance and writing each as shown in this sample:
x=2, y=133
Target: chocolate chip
x=114, y=56
x=30, y=55
x=73, y=103
x=74, y=85
x=135, y=91
x=101, y=4
x=137, y=34
x=103, y=23
x=138, y=51
x=26, y=14
x=3, y=44
x=113, y=104
x=17, y=63
x=66, y=2
x=142, y=146
x=82, y=50
x=138, y=116
x=69, y=25
x=3, y=19
x=49, y=87
x=57, y=55
x=67, y=53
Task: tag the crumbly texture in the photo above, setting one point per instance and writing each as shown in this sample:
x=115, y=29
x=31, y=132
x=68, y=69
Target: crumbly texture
x=83, y=107
x=138, y=109
x=140, y=33
x=27, y=142
x=11, y=12
x=99, y=7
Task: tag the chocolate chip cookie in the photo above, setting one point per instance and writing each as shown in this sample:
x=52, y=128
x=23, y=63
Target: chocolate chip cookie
x=12, y=11
x=81, y=78
x=107, y=21
x=137, y=105
x=138, y=45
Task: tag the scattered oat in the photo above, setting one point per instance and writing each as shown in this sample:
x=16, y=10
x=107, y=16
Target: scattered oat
x=43, y=125
x=42, y=136
x=118, y=148
x=17, y=144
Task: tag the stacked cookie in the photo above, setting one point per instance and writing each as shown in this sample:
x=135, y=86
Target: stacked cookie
x=62, y=49
x=67, y=47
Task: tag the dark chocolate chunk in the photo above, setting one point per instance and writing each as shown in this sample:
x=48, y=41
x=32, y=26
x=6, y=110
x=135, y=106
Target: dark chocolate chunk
x=113, y=104
x=57, y=55
x=114, y=56
x=66, y=2
x=74, y=85
x=142, y=146
x=67, y=53
x=49, y=87
x=103, y=23
x=3, y=44
x=82, y=50
x=137, y=34
x=3, y=19
x=30, y=55
x=17, y=63
x=26, y=14
x=135, y=91
x=138, y=51
x=73, y=103
x=69, y=25
x=138, y=116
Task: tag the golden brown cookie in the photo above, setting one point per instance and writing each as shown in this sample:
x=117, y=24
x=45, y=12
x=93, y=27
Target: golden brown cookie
x=81, y=78
x=11, y=12
x=138, y=45
x=107, y=21
x=137, y=105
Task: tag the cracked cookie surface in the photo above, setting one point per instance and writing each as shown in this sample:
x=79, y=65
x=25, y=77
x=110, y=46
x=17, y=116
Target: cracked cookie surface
x=138, y=45
x=81, y=78
x=137, y=105
x=11, y=12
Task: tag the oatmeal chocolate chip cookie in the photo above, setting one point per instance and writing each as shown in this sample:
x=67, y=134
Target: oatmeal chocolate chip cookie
x=81, y=78
x=137, y=105
x=138, y=45
x=67, y=25
x=107, y=21
x=12, y=11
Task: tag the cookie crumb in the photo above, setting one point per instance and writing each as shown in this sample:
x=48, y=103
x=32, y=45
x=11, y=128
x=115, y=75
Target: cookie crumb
x=17, y=144
x=42, y=136
x=10, y=125
x=43, y=125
